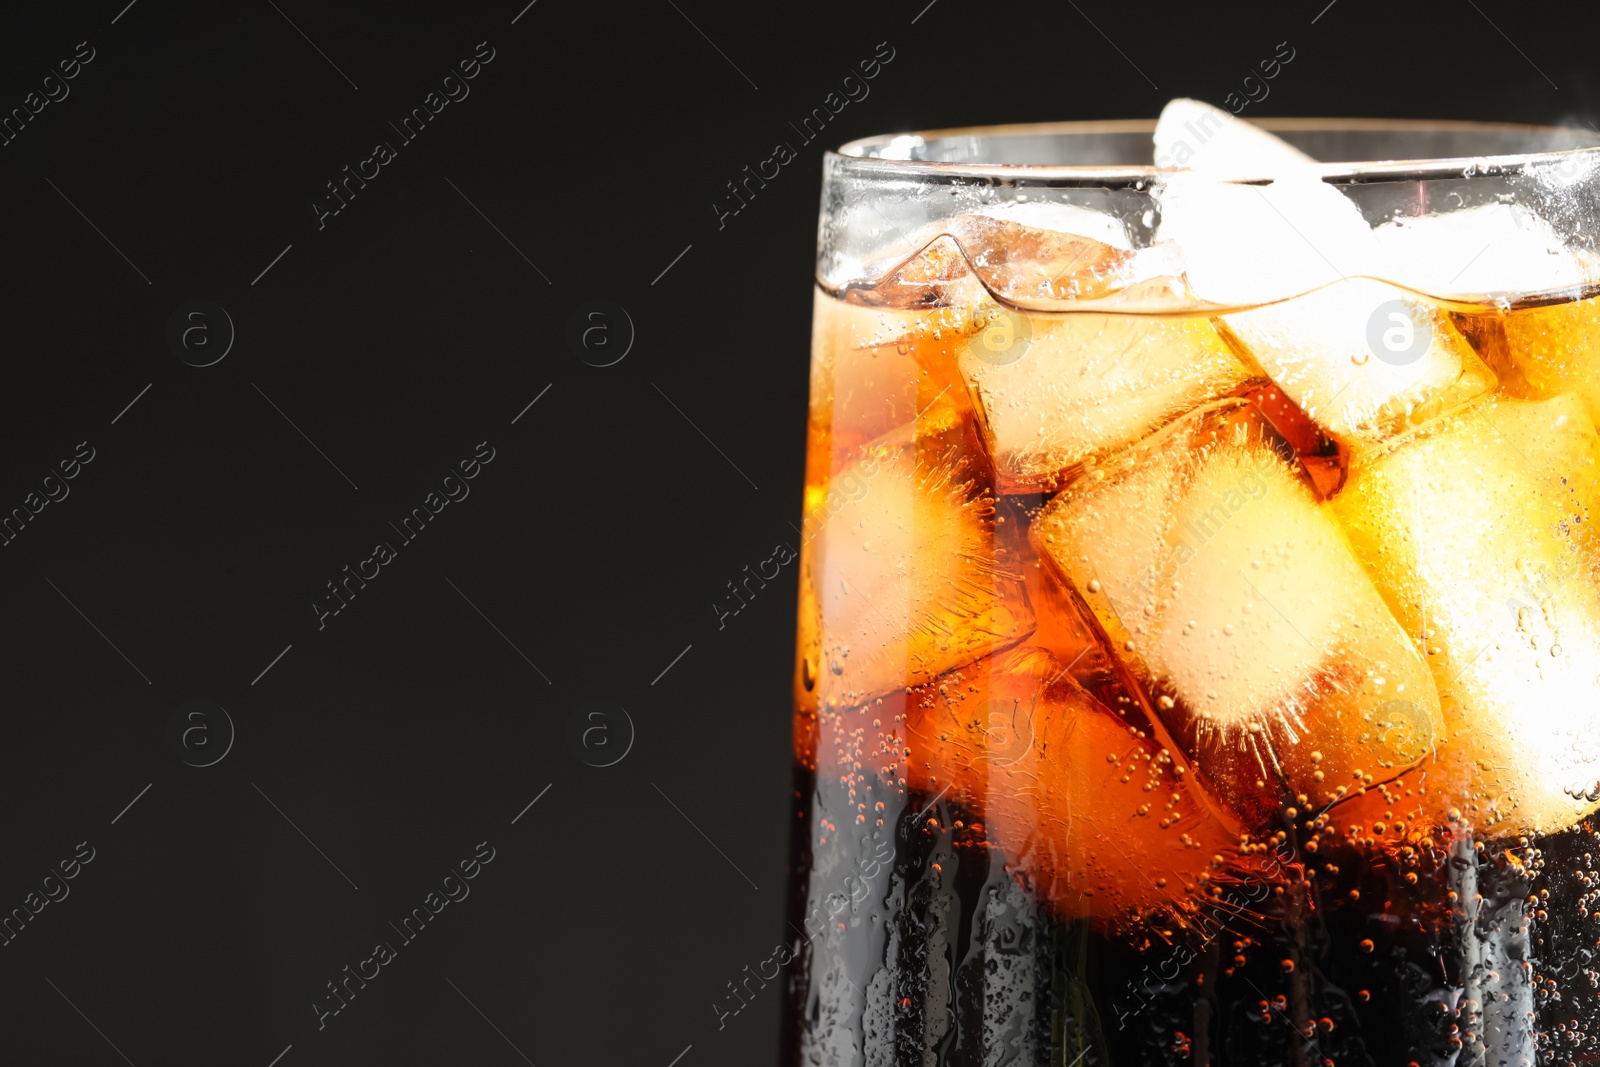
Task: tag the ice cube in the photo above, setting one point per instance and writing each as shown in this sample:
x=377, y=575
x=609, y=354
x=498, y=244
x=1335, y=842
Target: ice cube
x=1233, y=598
x=1067, y=387
x=1493, y=250
x=937, y=276
x=1203, y=138
x=968, y=257
x=1554, y=349
x=1480, y=530
x=1362, y=358
x=1104, y=820
x=1020, y=261
x=1062, y=627
x=1063, y=219
x=874, y=369
x=907, y=570
x=1053, y=389
x=1244, y=243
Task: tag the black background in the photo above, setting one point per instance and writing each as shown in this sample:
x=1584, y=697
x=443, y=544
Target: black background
x=397, y=337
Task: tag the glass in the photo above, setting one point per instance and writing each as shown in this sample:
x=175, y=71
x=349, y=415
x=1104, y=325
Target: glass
x=1199, y=631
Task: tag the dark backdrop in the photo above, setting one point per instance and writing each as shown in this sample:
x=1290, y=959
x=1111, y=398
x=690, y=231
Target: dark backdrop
x=160, y=608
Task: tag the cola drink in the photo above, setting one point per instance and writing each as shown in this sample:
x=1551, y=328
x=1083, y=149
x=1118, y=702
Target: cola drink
x=1199, y=632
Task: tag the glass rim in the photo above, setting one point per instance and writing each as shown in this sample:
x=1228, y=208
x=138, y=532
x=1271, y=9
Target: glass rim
x=857, y=156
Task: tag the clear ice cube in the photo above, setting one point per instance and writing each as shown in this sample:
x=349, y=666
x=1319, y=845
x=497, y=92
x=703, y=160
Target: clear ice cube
x=1103, y=819
x=1200, y=137
x=1063, y=219
x=1228, y=590
x=1363, y=358
x=874, y=369
x=1020, y=261
x=1480, y=531
x=1245, y=240
x=907, y=568
x=1077, y=385
x=1554, y=349
x=1493, y=250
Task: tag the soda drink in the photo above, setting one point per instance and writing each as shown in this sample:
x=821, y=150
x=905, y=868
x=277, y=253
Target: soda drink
x=1199, y=631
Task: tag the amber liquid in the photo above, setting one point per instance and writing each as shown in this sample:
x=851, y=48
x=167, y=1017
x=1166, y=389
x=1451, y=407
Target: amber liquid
x=1023, y=835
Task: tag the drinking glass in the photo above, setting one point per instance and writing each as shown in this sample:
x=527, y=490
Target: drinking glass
x=1199, y=630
